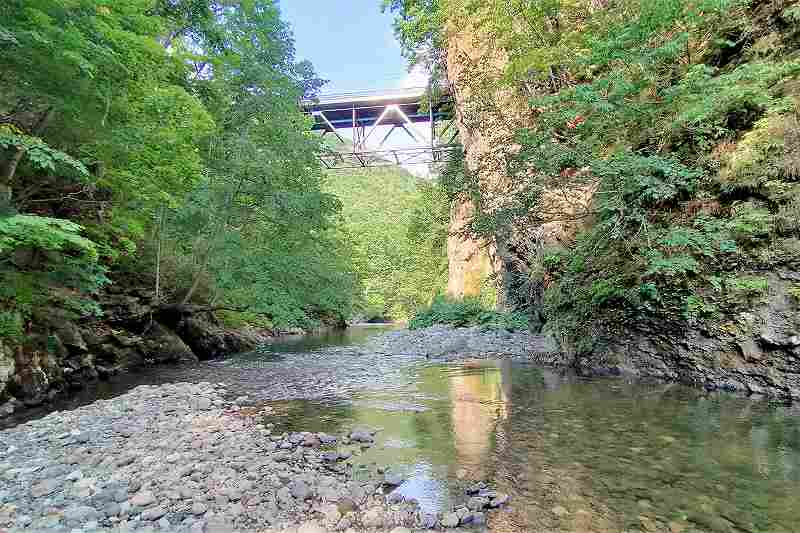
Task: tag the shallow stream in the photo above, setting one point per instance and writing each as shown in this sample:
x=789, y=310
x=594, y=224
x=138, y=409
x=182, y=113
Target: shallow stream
x=574, y=454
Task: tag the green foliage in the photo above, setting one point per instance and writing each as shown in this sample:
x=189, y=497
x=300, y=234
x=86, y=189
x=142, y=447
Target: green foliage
x=467, y=312
x=45, y=261
x=679, y=116
x=48, y=234
x=397, y=225
x=605, y=291
x=38, y=152
x=675, y=266
x=748, y=286
x=698, y=308
x=186, y=146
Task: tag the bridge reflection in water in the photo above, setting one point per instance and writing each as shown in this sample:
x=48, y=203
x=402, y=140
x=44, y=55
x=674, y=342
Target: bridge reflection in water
x=375, y=119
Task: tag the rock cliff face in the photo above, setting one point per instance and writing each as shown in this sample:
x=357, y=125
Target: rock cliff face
x=754, y=348
x=487, y=115
x=469, y=262
x=755, y=352
x=62, y=354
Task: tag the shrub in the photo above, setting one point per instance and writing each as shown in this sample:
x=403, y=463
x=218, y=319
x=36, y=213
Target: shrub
x=44, y=261
x=794, y=292
x=467, y=312
x=749, y=287
x=696, y=307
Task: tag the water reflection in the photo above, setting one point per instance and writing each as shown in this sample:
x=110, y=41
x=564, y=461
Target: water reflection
x=580, y=455
x=479, y=397
x=576, y=455
x=328, y=338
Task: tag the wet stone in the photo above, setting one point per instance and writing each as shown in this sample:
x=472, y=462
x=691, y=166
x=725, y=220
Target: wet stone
x=300, y=489
x=45, y=488
x=499, y=501
x=362, y=436
x=450, y=520
x=393, y=479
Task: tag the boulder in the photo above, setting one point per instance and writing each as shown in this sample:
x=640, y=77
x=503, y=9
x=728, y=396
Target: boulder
x=208, y=340
x=70, y=336
x=7, y=367
x=163, y=345
x=37, y=371
x=126, y=310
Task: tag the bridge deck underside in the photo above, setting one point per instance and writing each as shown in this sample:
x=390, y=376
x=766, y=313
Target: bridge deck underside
x=430, y=127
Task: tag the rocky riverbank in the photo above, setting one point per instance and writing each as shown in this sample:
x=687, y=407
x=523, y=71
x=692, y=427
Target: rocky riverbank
x=61, y=354
x=447, y=342
x=178, y=457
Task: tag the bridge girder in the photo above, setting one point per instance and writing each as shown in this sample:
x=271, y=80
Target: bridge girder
x=363, y=113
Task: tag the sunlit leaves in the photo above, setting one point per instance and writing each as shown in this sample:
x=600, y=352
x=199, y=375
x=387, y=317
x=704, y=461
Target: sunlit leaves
x=38, y=152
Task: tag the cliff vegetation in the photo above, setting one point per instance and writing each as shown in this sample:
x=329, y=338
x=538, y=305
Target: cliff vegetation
x=679, y=119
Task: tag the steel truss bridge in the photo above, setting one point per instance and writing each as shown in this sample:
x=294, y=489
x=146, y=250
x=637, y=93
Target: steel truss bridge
x=370, y=114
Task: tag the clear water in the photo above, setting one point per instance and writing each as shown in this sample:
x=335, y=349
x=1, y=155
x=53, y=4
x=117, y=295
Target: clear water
x=575, y=455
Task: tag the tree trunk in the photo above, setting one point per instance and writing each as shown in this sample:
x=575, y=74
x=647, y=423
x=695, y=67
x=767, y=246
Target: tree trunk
x=195, y=284
x=9, y=168
x=5, y=198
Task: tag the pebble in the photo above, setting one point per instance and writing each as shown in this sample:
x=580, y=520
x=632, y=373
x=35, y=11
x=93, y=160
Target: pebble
x=158, y=458
x=362, y=436
x=451, y=520
x=143, y=498
x=299, y=489
x=154, y=513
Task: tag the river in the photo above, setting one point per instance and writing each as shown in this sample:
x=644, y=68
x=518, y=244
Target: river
x=574, y=454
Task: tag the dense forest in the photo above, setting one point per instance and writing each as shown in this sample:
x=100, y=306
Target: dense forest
x=162, y=132
x=155, y=165
x=662, y=138
x=397, y=224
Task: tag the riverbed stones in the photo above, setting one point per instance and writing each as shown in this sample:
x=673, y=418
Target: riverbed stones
x=299, y=489
x=159, y=459
x=45, y=488
x=153, y=513
x=199, y=508
x=311, y=527
x=450, y=520
x=477, y=503
x=499, y=501
x=374, y=517
x=143, y=498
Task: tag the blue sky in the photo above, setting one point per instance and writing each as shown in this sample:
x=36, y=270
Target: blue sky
x=350, y=43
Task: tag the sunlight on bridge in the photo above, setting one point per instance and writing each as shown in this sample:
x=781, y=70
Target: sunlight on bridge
x=374, y=120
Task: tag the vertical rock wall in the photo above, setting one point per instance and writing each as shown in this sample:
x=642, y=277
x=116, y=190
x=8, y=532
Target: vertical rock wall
x=469, y=261
x=488, y=113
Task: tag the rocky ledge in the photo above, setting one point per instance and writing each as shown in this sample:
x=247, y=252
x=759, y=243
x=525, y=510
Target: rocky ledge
x=178, y=457
x=62, y=353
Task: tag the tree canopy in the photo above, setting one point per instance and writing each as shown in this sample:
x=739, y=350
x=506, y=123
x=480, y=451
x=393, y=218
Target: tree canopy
x=165, y=131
